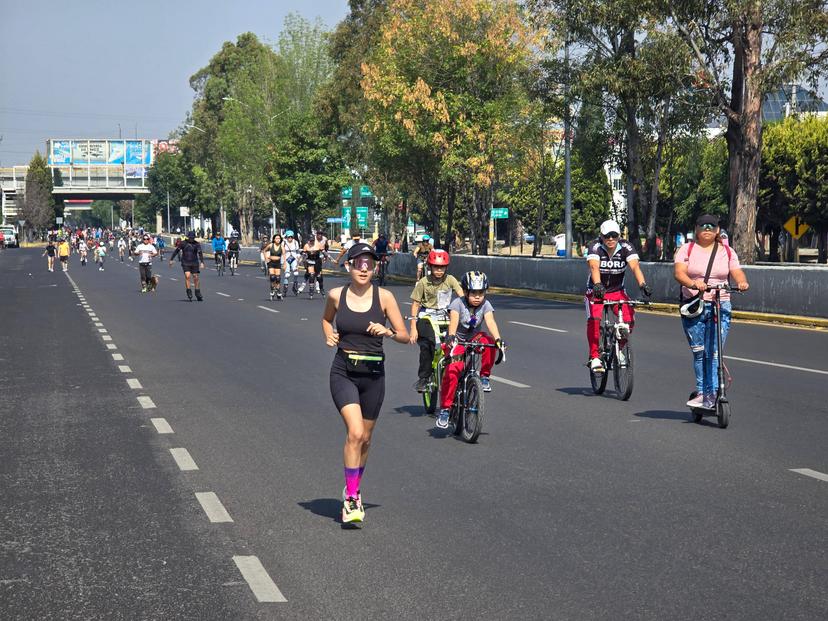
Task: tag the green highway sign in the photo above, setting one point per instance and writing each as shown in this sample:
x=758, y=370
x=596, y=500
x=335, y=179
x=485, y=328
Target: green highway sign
x=365, y=191
x=499, y=213
x=362, y=217
x=346, y=216
x=347, y=193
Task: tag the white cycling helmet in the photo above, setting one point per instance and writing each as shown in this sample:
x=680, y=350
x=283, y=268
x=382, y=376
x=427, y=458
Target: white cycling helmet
x=692, y=307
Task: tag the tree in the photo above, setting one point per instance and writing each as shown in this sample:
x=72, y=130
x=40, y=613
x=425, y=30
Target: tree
x=811, y=191
x=444, y=84
x=38, y=206
x=732, y=34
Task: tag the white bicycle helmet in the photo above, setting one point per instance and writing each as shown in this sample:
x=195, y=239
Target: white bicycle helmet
x=474, y=281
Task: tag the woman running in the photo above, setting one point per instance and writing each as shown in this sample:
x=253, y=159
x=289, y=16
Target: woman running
x=273, y=254
x=358, y=371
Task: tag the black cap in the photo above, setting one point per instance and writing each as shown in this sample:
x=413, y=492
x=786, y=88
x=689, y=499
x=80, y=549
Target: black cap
x=707, y=219
x=191, y=235
x=358, y=250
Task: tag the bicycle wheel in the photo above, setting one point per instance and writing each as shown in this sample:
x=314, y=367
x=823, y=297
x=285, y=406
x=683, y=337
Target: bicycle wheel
x=430, y=396
x=622, y=373
x=471, y=416
x=232, y=269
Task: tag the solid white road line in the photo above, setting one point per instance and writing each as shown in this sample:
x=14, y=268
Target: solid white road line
x=124, y=368
x=146, y=402
x=263, y=587
x=776, y=364
x=810, y=473
x=183, y=459
x=134, y=383
x=111, y=345
x=269, y=310
x=161, y=425
x=106, y=337
x=212, y=506
x=509, y=382
x=224, y=295
x=117, y=356
x=531, y=325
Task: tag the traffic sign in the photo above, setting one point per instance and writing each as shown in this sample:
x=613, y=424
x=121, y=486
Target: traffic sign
x=796, y=227
x=58, y=220
x=334, y=220
x=365, y=191
x=362, y=217
x=500, y=213
x=347, y=193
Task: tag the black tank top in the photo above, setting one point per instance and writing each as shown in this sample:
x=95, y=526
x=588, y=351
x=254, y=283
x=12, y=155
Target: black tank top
x=352, y=327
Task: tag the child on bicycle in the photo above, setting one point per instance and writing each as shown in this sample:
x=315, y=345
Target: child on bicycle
x=430, y=300
x=466, y=317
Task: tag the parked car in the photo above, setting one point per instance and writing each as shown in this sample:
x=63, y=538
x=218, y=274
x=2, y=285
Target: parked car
x=10, y=234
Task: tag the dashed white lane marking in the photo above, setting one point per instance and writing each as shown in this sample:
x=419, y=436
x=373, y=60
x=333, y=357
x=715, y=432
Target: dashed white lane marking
x=124, y=368
x=146, y=402
x=98, y=324
x=117, y=356
x=261, y=277
x=212, y=506
x=161, y=425
x=174, y=279
x=106, y=337
x=241, y=299
x=224, y=295
x=776, y=364
x=532, y=325
x=183, y=458
x=263, y=587
x=503, y=380
x=134, y=383
x=808, y=472
x=269, y=310
x=111, y=345
x=102, y=330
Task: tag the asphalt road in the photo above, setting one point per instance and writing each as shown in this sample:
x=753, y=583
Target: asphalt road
x=571, y=506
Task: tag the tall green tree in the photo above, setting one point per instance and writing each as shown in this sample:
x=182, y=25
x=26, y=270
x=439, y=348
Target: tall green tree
x=744, y=49
x=38, y=206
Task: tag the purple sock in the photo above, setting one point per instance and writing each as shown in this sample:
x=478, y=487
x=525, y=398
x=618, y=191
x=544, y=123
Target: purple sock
x=351, y=482
x=359, y=480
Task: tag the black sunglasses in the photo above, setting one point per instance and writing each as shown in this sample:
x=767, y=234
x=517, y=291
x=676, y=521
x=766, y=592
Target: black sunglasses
x=708, y=227
x=611, y=236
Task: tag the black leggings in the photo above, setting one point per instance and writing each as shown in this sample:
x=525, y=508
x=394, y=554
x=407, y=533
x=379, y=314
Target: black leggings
x=425, y=339
x=366, y=390
x=145, y=270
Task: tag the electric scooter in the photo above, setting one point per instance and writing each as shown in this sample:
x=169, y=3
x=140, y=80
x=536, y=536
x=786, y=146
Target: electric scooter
x=721, y=408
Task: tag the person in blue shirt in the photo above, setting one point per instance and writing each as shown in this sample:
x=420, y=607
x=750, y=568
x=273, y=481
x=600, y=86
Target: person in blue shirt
x=220, y=249
x=159, y=241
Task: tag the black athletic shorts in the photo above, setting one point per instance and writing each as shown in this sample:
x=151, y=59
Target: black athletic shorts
x=192, y=268
x=366, y=390
x=64, y=259
x=274, y=265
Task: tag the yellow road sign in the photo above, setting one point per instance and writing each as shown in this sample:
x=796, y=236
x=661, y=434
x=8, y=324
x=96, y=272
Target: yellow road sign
x=796, y=227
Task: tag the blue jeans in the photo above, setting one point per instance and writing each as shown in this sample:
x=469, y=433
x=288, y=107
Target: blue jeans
x=701, y=335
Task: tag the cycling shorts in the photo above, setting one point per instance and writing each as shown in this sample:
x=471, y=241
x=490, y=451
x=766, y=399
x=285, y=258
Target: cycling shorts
x=347, y=387
x=190, y=267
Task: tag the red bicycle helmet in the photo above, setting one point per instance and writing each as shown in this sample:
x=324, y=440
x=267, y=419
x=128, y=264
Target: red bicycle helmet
x=438, y=257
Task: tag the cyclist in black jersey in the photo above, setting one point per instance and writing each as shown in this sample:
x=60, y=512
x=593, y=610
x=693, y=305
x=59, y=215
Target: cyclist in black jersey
x=608, y=258
x=357, y=376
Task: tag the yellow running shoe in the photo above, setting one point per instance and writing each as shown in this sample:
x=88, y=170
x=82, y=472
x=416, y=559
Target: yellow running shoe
x=352, y=511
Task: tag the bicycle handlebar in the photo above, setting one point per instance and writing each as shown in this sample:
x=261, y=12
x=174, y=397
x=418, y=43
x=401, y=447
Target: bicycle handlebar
x=627, y=302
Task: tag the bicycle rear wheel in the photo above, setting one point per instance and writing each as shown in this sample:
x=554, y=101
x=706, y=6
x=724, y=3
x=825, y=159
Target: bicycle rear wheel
x=598, y=381
x=471, y=416
x=622, y=373
x=430, y=397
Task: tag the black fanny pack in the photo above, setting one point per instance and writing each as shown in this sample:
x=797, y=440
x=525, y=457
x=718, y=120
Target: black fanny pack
x=363, y=364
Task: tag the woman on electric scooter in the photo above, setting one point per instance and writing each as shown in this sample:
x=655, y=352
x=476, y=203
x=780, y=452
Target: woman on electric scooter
x=706, y=253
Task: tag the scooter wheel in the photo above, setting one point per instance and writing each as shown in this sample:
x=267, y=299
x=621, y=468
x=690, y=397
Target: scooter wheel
x=696, y=413
x=723, y=414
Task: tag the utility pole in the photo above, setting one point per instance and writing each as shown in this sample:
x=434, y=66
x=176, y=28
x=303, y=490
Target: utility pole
x=567, y=148
x=169, y=226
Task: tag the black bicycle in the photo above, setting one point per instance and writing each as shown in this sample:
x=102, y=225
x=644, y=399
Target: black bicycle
x=234, y=262
x=616, y=357
x=382, y=269
x=721, y=408
x=220, y=265
x=468, y=409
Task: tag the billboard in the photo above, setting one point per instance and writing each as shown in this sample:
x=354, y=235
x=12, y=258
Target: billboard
x=100, y=152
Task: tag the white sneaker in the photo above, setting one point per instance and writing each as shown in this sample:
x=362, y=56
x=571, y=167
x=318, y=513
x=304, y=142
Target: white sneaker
x=696, y=402
x=317, y=287
x=596, y=365
x=301, y=288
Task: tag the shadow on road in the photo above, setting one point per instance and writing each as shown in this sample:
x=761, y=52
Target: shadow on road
x=578, y=390
x=682, y=415
x=412, y=410
x=329, y=507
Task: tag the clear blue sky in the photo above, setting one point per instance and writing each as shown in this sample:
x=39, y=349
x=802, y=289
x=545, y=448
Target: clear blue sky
x=77, y=69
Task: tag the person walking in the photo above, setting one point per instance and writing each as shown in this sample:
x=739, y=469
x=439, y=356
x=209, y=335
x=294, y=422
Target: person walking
x=354, y=322
x=698, y=264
